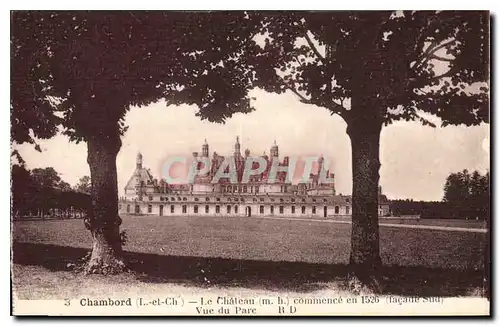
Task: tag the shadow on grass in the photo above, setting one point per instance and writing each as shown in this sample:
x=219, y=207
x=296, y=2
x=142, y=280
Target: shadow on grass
x=268, y=275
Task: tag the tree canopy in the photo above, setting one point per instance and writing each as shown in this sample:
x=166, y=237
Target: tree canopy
x=403, y=63
x=83, y=70
x=468, y=193
x=39, y=190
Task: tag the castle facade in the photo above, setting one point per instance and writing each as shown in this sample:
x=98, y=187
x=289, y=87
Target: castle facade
x=266, y=194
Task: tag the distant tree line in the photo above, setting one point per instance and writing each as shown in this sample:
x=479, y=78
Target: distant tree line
x=40, y=193
x=466, y=196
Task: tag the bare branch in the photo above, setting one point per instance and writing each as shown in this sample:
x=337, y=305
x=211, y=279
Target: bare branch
x=431, y=52
x=440, y=58
x=302, y=98
x=333, y=107
x=449, y=73
x=315, y=50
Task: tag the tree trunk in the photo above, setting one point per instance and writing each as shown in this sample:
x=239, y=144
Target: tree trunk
x=365, y=261
x=103, y=220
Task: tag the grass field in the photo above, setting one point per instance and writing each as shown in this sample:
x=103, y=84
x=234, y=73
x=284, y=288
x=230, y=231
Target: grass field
x=251, y=253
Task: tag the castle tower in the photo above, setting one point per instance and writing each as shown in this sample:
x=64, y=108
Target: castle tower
x=204, y=149
x=321, y=160
x=138, y=161
x=274, y=151
x=237, y=146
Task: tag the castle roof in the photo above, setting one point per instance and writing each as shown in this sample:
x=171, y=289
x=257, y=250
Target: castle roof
x=140, y=174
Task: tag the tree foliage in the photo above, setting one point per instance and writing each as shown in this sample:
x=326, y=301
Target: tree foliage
x=41, y=191
x=403, y=63
x=83, y=70
x=468, y=194
x=84, y=185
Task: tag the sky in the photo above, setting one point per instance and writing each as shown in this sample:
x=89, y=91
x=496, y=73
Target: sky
x=415, y=160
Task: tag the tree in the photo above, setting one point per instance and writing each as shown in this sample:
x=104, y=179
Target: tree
x=468, y=194
x=80, y=72
x=46, y=177
x=84, y=185
x=373, y=68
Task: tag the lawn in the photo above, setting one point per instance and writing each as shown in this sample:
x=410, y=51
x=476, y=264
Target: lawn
x=254, y=253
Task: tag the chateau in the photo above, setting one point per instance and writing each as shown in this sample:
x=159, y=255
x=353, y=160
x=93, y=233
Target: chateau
x=260, y=195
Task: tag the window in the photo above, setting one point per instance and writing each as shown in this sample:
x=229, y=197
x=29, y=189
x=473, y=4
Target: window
x=161, y=198
x=150, y=208
x=218, y=199
x=314, y=200
x=337, y=209
x=281, y=209
x=172, y=199
x=217, y=209
x=236, y=209
x=256, y=189
x=184, y=209
x=347, y=208
x=150, y=198
x=324, y=200
x=303, y=209
x=179, y=198
x=255, y=200
x=293, y=209
x=261, y=209
x=172, y=208
x=261, y=199
x=281, y=200
x=128, y=208
x=272, y=209
x=207, y=199
x=196, y=199
x=347, y=200
x=228, y=209
x=196, y=209
x=293, y=200
x=245, y=188
x=223, y=189
x=185, y=199
x=303, y=200
x=314, y=210
x=206, y=209
x=272, y=199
